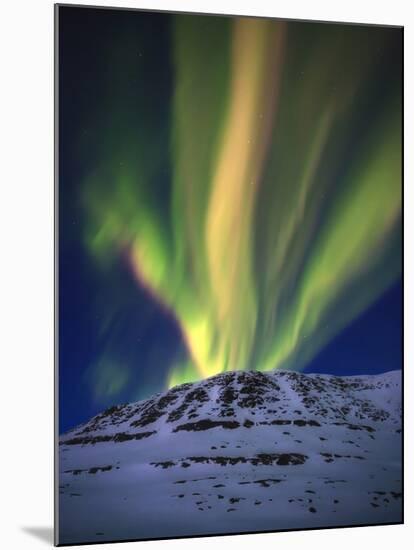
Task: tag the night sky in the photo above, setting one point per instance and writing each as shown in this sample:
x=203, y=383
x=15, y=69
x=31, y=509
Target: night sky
x=229, y=198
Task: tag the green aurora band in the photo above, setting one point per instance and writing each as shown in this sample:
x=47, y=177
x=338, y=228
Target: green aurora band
x=281, y=221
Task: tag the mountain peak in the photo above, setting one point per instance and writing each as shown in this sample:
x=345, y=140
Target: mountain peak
x=247, y=398
x=237, y=452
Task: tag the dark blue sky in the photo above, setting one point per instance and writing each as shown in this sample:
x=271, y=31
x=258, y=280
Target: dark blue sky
x=106, y=314
x=371, y=344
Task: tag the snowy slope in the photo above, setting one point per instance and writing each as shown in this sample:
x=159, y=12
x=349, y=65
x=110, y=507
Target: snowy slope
x=238, y=452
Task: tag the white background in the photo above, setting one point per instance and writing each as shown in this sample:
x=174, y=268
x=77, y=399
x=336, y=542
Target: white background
x=26, y=269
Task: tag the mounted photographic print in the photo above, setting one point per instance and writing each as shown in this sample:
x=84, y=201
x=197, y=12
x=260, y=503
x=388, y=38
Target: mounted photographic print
x=229, y=275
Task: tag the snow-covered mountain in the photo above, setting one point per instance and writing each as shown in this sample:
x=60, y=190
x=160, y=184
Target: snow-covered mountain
x=238, y=452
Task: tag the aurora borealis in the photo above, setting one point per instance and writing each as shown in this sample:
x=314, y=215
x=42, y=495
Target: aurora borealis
x=237, y=179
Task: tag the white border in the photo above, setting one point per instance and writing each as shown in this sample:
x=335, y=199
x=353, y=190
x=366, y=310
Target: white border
x=26, y=266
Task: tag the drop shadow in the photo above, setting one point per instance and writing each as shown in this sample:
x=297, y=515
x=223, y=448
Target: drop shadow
x=44, y=534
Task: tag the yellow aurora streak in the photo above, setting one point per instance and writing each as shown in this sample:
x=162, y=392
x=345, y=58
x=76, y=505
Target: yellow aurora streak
x=219, y=327
x=270, y=248
x=257, y=52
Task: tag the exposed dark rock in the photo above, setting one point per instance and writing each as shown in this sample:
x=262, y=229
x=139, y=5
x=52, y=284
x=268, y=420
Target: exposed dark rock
x=207, y=424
